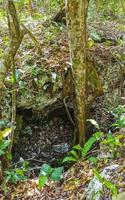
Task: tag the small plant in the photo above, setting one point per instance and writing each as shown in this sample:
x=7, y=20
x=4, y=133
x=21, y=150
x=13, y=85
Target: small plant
x=106, y=183
x=14, y=175
x=113, y=142
x=47, y=172
x=119, y=114
x=3, y=146
x=78, y=151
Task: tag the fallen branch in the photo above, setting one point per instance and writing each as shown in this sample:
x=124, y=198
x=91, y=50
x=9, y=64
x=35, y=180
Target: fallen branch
x=67, y=111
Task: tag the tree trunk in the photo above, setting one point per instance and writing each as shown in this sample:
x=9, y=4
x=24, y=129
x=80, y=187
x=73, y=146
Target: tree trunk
x=76, y=14
x=16, y=36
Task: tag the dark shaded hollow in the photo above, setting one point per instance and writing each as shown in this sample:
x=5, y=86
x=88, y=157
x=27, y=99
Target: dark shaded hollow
x=49, y=139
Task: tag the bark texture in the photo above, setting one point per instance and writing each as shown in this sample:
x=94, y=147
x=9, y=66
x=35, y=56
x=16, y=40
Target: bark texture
x=76, y=13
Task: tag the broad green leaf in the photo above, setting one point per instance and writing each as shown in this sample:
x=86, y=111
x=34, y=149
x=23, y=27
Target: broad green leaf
x=110, y=186
x=77, y=147
x=46, y=170
x=88, y=146
x=20, y=172
x=106, y=183
x=98, y=135
x=4, y=144
x=69, y=159
x=57, y=174
x=42, y=181
x=5, y=133
x=74, y=154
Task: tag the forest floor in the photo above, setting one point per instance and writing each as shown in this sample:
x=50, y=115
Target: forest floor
x=42, y=141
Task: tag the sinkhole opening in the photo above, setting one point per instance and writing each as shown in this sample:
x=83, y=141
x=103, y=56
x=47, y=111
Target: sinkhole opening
x=42, y=140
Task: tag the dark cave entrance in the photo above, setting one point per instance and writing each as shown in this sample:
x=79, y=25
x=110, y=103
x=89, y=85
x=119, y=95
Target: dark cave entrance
x=42, y=140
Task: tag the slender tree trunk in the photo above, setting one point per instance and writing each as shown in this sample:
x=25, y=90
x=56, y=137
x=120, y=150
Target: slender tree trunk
x=76, y=13
x=16, y=36
x=31, y=7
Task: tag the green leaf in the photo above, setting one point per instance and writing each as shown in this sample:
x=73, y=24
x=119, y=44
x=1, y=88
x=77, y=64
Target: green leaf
x=22, y=84
x=110, y=186
x=18, y=74
x=74, y=154
x=98, y=176
x=95, y=36
x=93, y=159
x=98, y=135
x=20, y=172
x=107, y=183
x=2, y=152
x=46, y=170
x=88, y=146
x=57, y=174
x=42, y=181
x=110, y=136
x=5, y=133
x=69, y=159
x=3, y=145
x=77, y=147
x=9, y=156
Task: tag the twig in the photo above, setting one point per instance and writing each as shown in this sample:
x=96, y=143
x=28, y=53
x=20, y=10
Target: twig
x=67, y=111
x=27, y=160
x=33, y=168
x=34, y=39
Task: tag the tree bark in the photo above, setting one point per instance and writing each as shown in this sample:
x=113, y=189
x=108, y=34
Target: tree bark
x=16, y=36
x=76, y=14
